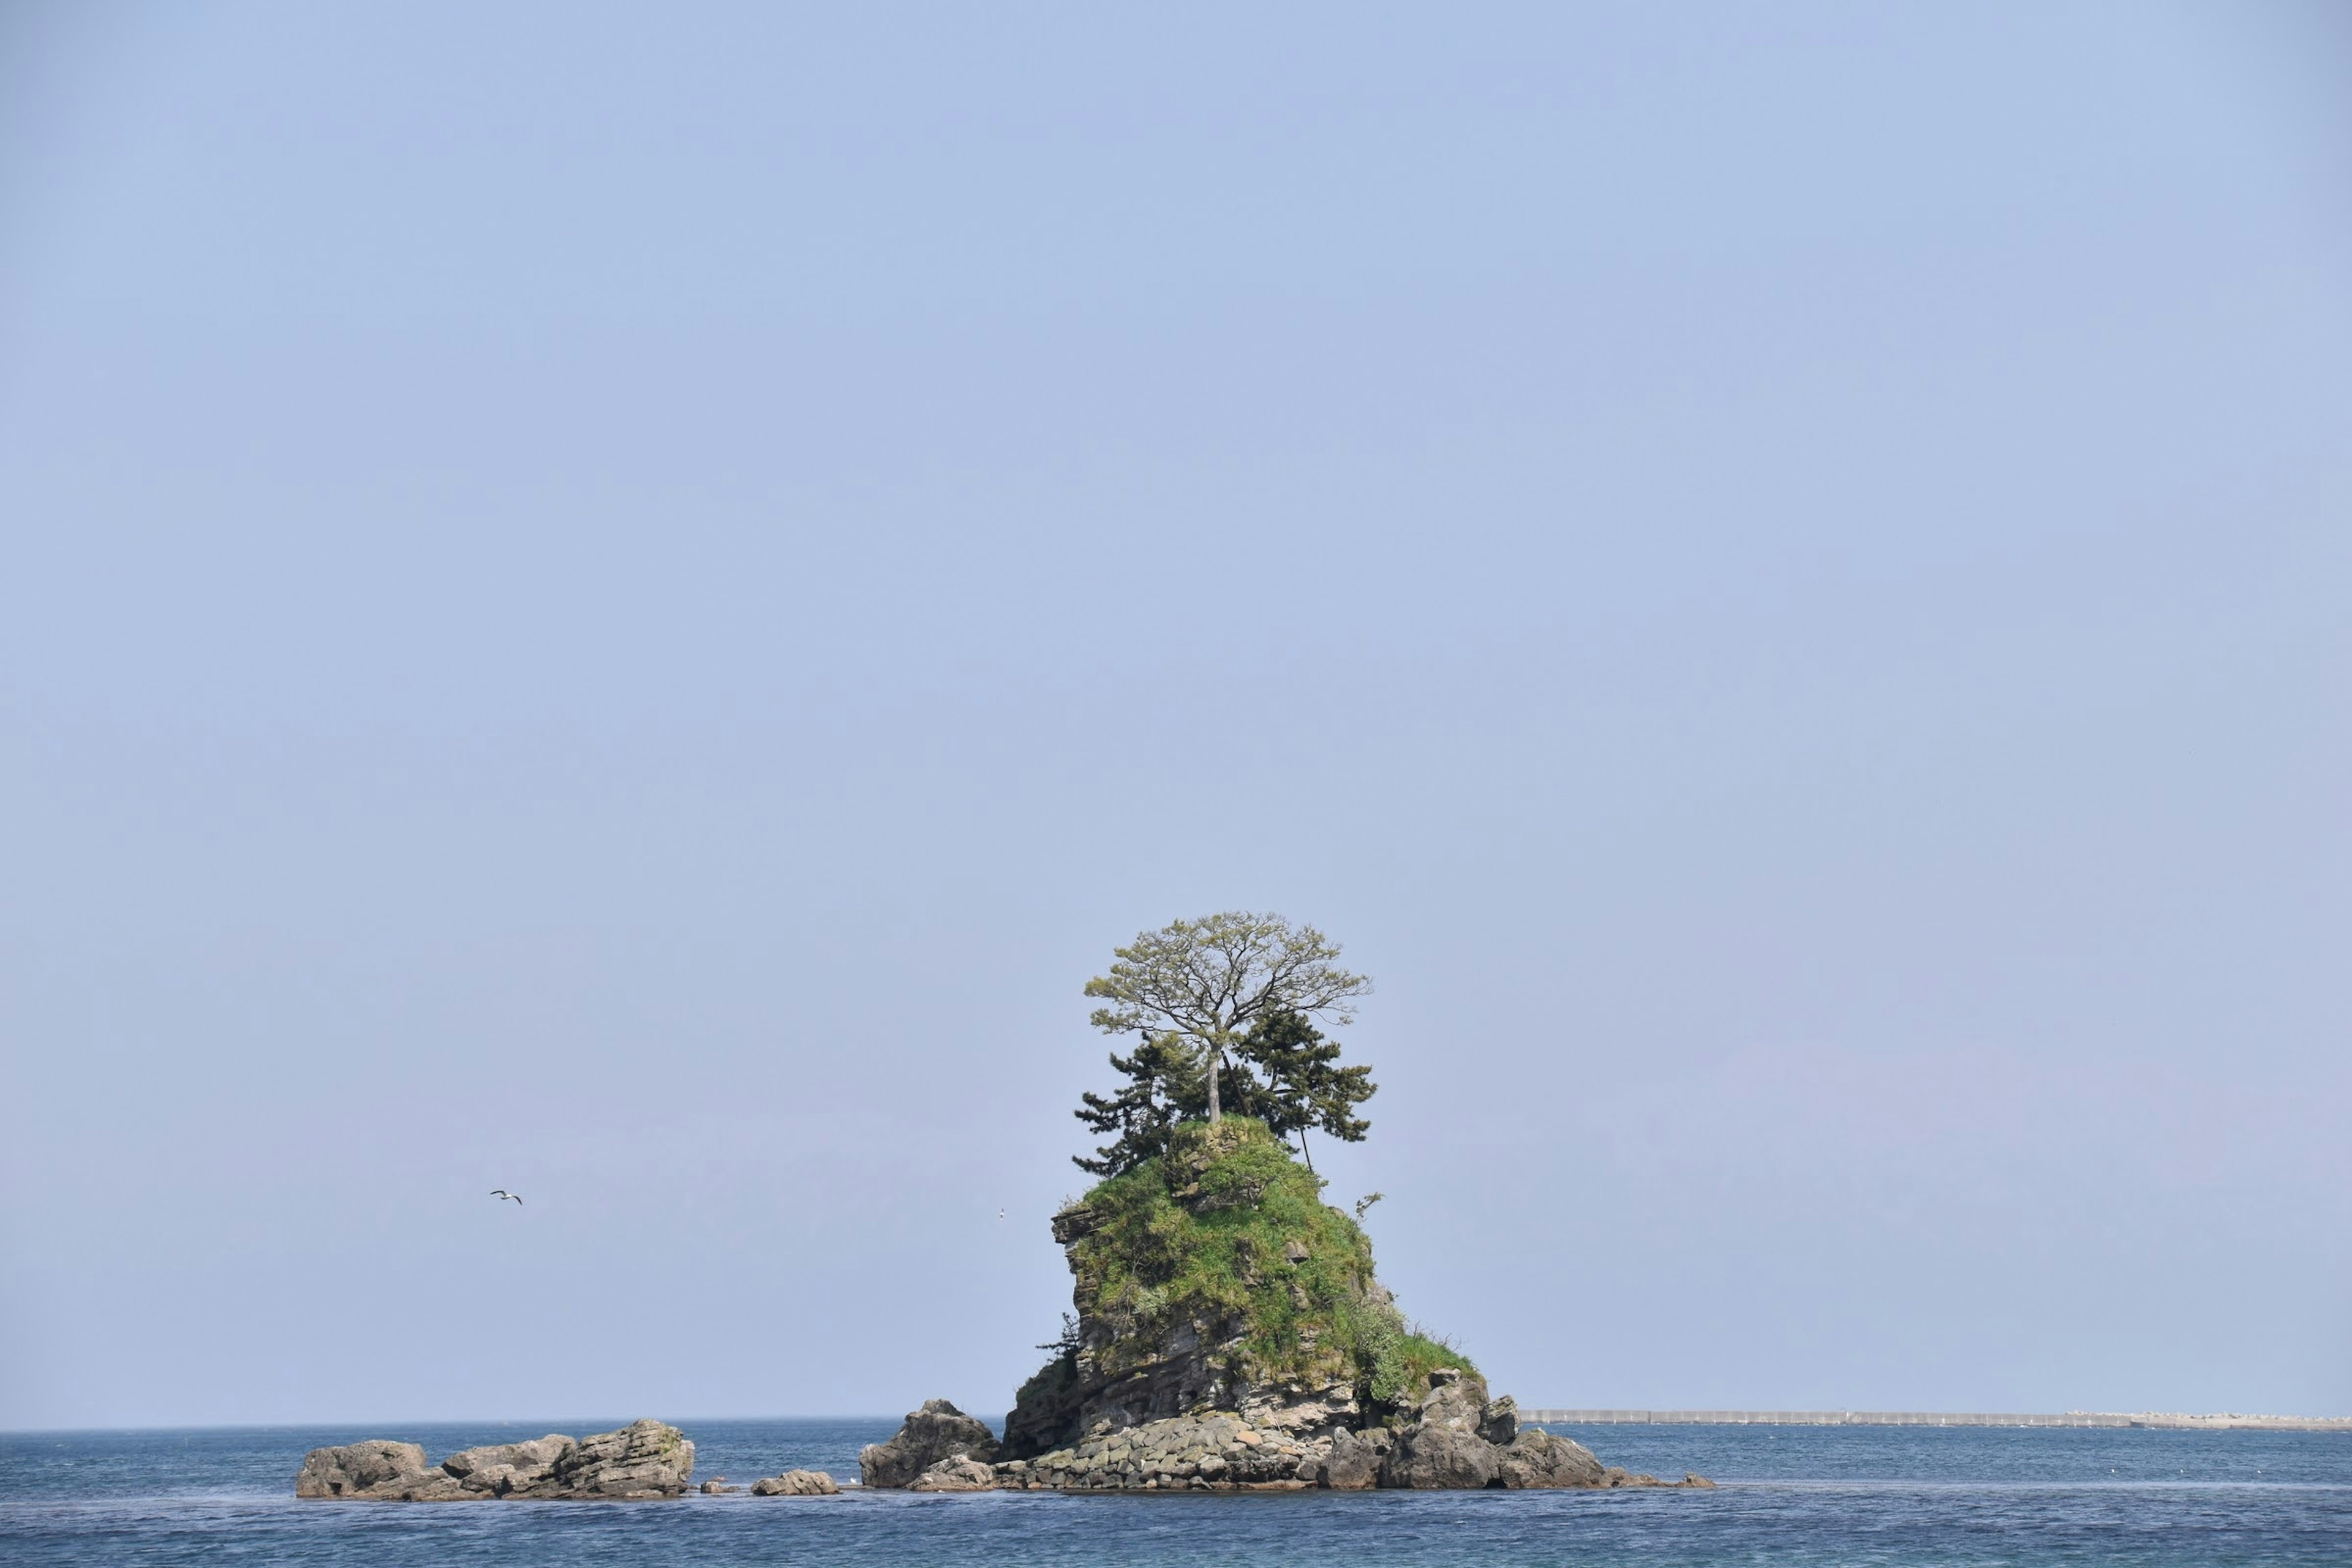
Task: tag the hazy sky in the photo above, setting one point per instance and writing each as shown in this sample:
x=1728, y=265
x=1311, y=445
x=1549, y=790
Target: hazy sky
x=625, y=602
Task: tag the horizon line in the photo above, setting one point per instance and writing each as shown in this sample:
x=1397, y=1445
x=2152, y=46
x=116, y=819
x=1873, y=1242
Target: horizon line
x=2220, y=1421
x=2160, y=1420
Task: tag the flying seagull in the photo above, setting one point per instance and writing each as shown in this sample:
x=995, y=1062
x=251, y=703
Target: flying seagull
x=502, y=1193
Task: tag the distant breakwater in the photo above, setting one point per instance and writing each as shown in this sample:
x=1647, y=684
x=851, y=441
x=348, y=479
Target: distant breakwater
x=2163, y=1421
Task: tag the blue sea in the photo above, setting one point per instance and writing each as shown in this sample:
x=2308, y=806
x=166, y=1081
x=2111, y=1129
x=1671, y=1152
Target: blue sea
x=1788, y=1494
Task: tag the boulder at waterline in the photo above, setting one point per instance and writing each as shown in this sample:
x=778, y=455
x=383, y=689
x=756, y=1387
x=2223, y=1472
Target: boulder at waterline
x=937, y=1431
x=958, y=1474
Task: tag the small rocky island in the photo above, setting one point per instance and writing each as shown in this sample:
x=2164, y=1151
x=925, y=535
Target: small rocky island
x=642, y=1459
x=1231, y=1336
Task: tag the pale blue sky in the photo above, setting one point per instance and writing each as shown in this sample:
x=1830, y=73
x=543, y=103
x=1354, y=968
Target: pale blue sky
x=625, y=606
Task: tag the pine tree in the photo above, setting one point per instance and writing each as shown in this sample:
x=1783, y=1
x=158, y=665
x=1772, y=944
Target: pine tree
x=1284, y=1071
x=1160, y=1076
x=1305, y=1086
x=1166, y=1084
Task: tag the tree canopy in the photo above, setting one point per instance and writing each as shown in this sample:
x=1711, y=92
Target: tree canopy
x=1210, y=980
x=1224, y=1010
x=1304, y=1086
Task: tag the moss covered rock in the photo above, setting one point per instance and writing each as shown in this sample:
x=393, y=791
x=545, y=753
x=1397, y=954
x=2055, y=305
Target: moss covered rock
x=1216, y=1279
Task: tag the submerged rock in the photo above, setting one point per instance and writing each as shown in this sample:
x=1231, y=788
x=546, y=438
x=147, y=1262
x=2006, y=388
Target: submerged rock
x=644, y=1459
x=938, y=1431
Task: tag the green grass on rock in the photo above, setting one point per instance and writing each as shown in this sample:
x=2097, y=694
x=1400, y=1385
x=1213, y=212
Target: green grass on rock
x=1228, y=1230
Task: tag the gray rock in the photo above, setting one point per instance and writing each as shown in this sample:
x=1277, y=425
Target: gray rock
x=1441, y=1458
x=1538, y=1459
x=796, y=1483
x=716, y=1487
x=958, y=1474
x=644, y=1459
x=936, y=1432
x=1613, y=1477
x=504, y=1469
x=1500, y=1422
x=1212, y=1451
x=435, y=1485
x=357, y=1469
x=1442, y=1448
x=1354, y=1463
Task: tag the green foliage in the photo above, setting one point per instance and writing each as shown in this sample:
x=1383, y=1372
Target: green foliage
x=1164, y=1081
x=1227, y=1231
x=1207, y=981
x=1402, y=1361
x=1283, y=1072
x=1304, y=1084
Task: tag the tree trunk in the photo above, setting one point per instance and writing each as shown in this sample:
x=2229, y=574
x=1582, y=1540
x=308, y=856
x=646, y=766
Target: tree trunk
x=1216, y=1067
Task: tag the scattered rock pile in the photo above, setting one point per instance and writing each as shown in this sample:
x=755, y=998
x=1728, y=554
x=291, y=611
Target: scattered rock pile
x=644, y=1459
x=1459, y=1439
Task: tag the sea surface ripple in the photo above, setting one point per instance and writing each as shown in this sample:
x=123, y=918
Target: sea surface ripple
x=1788, y=1494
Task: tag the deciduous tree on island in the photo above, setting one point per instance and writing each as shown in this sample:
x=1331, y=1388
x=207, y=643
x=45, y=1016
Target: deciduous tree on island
x=1224, y=1008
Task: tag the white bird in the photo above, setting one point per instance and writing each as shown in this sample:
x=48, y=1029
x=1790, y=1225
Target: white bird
x=502, y=1193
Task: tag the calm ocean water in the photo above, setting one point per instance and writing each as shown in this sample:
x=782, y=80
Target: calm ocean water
x=1789, y=1495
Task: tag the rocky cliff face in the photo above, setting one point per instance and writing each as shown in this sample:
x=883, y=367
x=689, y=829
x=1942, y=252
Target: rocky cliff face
x=1456, y=1439
x=1230, y=1335
x=644, y=1459
x=1217, y=1279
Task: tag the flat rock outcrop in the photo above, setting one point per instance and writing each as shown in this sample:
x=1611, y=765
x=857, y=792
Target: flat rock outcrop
x=1214, y=1452
x=642, y=1460
x=938, y=1431
x=796, y=1483
x=958, y=1474
x=1221, y=1452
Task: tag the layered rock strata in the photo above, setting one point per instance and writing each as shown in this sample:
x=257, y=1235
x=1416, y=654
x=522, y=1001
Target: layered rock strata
x=937, y=1432
x=642, y=1460
x=1459, y=1440
x=1230, y=1335
x=956, y=1474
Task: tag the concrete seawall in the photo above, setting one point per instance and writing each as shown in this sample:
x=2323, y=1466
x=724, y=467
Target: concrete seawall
x=2156, y=1421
